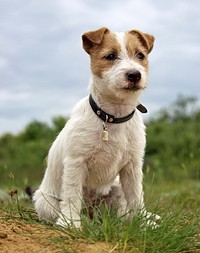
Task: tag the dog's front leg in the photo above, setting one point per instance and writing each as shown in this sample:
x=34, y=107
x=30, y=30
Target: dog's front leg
x=131, y=180
x=71, y=195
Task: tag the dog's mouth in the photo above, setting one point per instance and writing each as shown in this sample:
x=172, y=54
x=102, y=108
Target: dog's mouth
x=131, y=88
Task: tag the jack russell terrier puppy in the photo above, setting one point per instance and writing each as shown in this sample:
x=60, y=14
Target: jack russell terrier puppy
x=100, y=151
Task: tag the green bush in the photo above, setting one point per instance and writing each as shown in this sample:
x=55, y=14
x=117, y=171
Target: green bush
x=173, y=141
x=22, y=156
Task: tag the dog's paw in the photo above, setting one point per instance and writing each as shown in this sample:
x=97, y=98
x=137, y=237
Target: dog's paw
x=153, y=216
x=151, y=220
x=63, y=222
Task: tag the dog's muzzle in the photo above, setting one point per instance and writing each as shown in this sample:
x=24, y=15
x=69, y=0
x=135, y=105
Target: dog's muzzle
x=133, y=77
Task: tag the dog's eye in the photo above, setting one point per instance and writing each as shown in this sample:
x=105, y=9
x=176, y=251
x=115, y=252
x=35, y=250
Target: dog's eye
x=111, y=57
x=140, y=56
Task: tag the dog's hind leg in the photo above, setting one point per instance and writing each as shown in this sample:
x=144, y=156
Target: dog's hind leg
x=116, y=199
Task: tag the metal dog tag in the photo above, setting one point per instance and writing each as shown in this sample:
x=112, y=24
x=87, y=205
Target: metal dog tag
x=105, y=132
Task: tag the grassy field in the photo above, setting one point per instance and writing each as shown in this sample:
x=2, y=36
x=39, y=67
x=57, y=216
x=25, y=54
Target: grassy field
x=178, y=204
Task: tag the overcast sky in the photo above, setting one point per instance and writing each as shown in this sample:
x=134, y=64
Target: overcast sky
x=44, y=71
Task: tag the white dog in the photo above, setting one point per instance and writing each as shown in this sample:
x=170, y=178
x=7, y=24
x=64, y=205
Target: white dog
x=104, y=140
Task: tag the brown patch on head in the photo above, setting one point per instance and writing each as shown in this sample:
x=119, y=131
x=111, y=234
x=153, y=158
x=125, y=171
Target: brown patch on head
x=145, y=39
x=99, y=44
x=138, y=46
x=90, y=39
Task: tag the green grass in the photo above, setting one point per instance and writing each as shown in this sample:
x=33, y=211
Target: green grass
x=178, y=231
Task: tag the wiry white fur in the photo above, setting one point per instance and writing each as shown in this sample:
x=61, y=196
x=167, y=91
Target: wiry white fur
x=80, y=161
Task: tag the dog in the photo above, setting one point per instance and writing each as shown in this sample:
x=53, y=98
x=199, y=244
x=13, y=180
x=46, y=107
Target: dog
x=100, y=151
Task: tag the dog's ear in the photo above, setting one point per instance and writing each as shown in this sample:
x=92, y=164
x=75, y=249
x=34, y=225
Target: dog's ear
x=93, y=38
x=146, y=39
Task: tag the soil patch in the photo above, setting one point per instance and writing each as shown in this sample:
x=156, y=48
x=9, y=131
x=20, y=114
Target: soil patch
x=20, y=236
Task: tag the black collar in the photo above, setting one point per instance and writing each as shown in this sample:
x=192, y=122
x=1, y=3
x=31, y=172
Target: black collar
x=111, y=118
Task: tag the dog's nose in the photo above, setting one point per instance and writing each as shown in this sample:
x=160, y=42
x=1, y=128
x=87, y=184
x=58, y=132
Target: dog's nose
x=133, y=76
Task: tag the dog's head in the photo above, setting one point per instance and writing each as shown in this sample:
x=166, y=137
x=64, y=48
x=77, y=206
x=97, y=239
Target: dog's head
x=119, y=61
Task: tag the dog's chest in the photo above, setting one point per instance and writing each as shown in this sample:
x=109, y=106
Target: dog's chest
x=109, y=157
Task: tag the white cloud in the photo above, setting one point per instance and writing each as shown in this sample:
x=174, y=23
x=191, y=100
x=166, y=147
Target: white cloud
x=3, y=63
x=6, y=96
